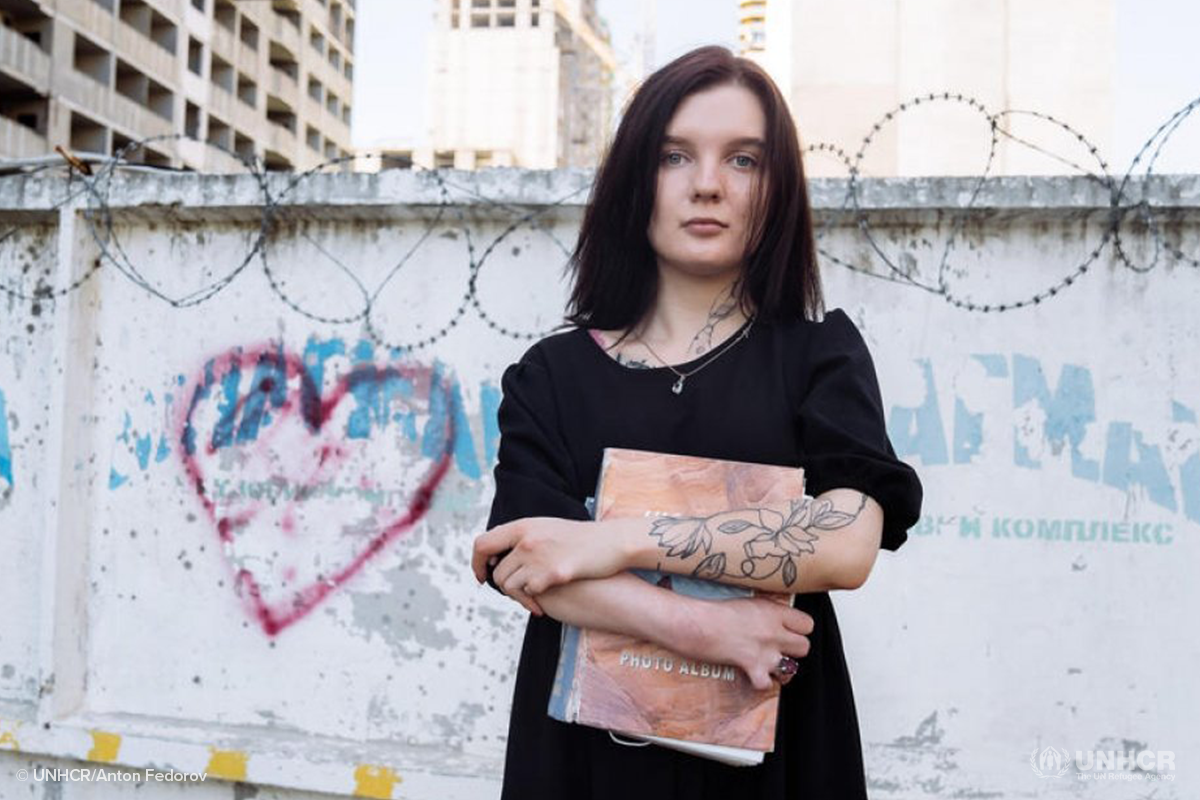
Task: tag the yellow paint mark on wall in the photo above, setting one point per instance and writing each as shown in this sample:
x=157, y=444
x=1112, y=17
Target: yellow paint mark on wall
x=372, y=780
x=8, y=741
x=104, y=746
x=227, y=764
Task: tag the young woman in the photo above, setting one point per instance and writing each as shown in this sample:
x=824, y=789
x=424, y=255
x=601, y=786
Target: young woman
x=694, y=331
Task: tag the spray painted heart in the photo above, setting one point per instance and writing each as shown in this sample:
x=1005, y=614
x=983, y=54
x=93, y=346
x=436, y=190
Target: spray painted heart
x=290, y=479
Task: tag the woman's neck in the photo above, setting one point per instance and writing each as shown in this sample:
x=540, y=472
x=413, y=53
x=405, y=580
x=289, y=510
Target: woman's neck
x=689, y=318
x=688, y=307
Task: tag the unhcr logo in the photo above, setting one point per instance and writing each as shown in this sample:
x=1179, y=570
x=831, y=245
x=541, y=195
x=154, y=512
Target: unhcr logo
x=1133, y=765
x=1050, y=762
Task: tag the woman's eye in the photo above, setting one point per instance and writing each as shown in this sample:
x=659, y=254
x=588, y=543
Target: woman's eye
x=675, y=157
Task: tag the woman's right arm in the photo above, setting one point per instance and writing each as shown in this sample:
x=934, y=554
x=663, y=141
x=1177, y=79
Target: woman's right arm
x=751, y=633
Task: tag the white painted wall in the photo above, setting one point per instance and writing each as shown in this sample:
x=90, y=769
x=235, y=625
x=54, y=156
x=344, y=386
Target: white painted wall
x=126, y=642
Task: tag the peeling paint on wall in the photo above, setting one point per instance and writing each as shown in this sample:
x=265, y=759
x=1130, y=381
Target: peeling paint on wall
x=8, y=735
x=105, y=746
x=378, y=405
x=371, y=780
x=280, y=546
x=227, y=765
x=6, y=467
x=1065, y=416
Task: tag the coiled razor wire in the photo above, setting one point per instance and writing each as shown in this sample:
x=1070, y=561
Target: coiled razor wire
x=99, y=218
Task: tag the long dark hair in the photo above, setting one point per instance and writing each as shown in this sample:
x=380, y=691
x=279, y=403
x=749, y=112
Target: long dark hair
x=614, y=269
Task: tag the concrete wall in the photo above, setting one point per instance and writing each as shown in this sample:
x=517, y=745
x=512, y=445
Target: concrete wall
x=327, y=638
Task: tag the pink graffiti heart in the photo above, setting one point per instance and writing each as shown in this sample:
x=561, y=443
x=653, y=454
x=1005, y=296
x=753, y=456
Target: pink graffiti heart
x=282, y=446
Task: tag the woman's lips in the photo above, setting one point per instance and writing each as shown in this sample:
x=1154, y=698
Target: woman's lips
x=706, y=228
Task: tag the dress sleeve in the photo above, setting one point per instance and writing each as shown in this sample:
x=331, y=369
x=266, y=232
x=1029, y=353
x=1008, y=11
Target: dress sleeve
x=533, y=470
x=843, y=436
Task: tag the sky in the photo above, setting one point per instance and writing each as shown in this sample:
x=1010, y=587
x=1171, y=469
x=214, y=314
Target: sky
x=1157, y=66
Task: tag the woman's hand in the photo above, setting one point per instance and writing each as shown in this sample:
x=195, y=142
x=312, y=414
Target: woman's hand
x=751, y=633
x=545, y=552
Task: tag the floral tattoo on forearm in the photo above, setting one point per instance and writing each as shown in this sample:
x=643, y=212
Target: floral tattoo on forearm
x=771, y=541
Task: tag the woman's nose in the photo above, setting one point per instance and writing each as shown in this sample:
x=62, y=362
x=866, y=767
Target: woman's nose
x=706, y=179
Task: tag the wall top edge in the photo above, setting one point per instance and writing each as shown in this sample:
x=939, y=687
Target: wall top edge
x=567, y=187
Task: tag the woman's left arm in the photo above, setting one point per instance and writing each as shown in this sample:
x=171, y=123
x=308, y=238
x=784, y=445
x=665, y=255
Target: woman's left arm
x=810, y=545
x=865, y=499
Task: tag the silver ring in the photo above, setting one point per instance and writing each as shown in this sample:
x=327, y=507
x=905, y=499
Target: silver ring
x=788, y=666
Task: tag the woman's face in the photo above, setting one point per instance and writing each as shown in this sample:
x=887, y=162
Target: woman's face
x=712, y=150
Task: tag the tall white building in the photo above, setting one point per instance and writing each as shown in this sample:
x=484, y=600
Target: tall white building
x=843, y=66
x=525, y=83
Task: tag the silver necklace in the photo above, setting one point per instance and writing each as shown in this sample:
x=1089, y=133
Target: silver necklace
x=677, y=387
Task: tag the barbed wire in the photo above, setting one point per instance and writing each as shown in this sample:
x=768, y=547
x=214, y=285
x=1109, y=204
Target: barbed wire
x=275, y=214
x=1116, y=193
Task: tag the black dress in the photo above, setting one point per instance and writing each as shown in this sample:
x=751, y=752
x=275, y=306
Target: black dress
x=792, y=393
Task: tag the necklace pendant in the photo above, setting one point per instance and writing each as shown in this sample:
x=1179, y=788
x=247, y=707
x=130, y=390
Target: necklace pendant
x=678, y=387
